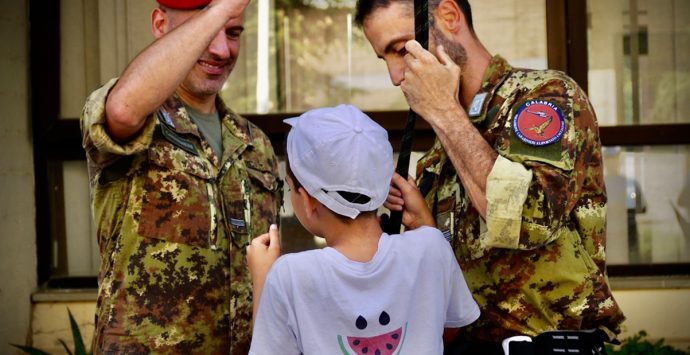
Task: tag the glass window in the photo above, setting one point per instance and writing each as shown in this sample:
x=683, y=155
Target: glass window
x=648, y=213
x=639, y=68
x=307, y=54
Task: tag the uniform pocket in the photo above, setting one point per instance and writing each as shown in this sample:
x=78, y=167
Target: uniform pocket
x=175, y=206
x=252, y=205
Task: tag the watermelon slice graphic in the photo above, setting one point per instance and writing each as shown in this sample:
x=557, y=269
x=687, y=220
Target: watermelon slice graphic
x=384, y=344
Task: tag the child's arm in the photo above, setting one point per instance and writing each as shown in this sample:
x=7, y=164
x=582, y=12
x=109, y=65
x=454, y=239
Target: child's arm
x=405, y=196
x=261, y=254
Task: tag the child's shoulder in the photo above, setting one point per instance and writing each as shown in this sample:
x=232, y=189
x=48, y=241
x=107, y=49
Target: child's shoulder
x=424, y=235
x=422, y=240
x=296, y=262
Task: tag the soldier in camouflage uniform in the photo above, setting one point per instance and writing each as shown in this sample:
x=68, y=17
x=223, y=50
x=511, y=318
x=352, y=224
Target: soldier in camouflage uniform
x=514, y=179
x=176, y=202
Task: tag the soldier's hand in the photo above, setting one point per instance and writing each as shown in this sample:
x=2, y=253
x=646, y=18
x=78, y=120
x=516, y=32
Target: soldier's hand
x=431, y=82
x=262, y=252
x=233, y=8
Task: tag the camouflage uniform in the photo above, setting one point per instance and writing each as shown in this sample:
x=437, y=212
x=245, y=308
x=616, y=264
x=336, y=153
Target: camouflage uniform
x=550, y=272
x=173, y=221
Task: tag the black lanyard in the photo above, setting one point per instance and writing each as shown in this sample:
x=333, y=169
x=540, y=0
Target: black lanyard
x=421, y=33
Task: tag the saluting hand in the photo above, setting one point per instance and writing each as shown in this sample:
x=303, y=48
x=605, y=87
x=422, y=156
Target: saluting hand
x=234, y=8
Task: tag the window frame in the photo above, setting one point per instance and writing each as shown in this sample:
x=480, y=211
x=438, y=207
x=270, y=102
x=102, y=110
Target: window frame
x=56, y=140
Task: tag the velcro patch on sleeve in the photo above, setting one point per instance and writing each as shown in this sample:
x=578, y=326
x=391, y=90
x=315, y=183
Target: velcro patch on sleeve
x=538, y=123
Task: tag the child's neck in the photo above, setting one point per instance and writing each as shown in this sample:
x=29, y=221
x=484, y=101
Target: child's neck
x=357, y=240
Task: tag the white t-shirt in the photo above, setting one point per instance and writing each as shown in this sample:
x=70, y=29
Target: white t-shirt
x=320, y=302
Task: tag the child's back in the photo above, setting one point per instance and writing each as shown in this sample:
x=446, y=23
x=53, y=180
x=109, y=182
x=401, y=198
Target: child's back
x=367, y=292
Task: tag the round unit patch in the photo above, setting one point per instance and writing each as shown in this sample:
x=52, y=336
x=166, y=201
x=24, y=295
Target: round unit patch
x=539, y=123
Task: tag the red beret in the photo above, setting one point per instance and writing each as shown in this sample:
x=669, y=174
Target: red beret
x=184, y=4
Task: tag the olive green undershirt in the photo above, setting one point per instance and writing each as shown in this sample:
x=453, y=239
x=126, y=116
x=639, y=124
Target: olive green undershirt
x=209, y=126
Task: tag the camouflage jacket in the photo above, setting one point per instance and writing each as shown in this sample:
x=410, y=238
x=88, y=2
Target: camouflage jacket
x=551, y=274
x=173, y=221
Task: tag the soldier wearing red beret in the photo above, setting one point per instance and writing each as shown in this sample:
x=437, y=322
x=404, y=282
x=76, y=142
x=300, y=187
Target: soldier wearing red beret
x=184, y=4
x=180, y=184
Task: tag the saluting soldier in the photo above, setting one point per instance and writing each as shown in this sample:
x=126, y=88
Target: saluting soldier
x=515, y=177
x=179, y=184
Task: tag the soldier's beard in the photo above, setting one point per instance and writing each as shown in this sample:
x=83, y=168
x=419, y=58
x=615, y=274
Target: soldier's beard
x=455, y=50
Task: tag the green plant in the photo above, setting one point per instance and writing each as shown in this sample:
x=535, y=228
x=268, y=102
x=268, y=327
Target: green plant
x=638, y=345
x=79, y=348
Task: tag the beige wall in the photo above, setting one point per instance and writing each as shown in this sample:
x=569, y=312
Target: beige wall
x=662, y=313
x=17, y=214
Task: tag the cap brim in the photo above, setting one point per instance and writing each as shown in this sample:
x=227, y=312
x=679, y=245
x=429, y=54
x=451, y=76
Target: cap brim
x=291, y=121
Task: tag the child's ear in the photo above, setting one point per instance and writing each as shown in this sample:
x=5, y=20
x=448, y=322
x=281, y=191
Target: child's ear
x=308, y=202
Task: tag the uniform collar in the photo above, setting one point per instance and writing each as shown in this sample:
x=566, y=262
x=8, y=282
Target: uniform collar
x=494, y=76
x=174, y=115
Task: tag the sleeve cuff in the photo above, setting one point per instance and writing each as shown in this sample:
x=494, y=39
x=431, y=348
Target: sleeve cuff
x=94, y=122
x=506, y=191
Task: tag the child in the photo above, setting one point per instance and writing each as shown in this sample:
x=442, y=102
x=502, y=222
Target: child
x=366, y=292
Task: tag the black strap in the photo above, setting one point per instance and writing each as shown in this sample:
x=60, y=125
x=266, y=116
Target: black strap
x=421, y=33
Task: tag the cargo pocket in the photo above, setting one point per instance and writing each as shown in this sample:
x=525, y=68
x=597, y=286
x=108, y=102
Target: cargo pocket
x=253, y=206
x=175, y=206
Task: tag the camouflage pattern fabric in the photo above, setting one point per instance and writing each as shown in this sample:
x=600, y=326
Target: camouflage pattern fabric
x=555, y=277
x=173, y=221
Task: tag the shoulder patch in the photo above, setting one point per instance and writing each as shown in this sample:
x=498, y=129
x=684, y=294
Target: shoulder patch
x=539, y=123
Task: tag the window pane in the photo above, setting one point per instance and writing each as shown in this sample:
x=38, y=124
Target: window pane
x=82, y=247
x=649, y=204
x=313, y=56
x=639, y=64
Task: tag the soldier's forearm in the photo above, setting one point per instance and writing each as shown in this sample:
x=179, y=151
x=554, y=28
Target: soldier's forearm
x=470, y=154
x=157, y=71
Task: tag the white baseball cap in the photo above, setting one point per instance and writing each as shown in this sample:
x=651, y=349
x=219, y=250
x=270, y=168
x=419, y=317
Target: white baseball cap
x=340, y=149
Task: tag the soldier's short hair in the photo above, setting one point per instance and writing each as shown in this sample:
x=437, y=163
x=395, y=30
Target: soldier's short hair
x=365, y=8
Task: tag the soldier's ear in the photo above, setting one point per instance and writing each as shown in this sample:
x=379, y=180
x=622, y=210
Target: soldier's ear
x=450, y=17
x=159, y=22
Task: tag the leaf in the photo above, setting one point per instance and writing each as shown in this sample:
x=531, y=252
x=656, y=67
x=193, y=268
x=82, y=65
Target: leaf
x=30, y=350
x=64, y=345
x=79, y=348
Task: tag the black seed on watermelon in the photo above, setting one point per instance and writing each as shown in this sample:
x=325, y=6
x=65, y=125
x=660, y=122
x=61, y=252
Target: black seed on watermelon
x=384, y=318
x=383, y=344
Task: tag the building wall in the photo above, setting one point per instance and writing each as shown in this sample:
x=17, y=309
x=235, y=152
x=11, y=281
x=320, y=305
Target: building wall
x=17, y=212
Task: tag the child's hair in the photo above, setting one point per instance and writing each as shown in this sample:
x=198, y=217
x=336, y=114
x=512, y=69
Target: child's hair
x=341, y=157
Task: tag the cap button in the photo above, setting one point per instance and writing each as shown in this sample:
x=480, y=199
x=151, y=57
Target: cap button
x=358, y=129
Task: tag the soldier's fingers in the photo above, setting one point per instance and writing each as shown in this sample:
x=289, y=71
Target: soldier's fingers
x=411, y=181
x=417, y=51
x=443, y=57
x=447, y=61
